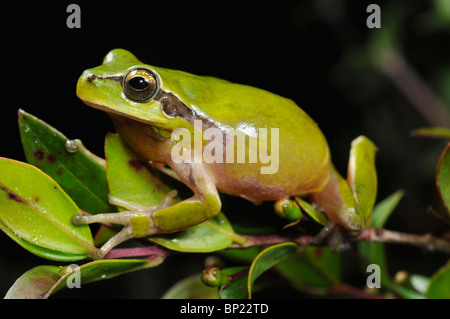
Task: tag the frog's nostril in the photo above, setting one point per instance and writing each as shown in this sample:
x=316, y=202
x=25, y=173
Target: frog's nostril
x=91, y=78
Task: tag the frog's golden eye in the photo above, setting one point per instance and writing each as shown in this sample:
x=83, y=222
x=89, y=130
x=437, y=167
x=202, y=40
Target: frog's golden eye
x=140, y=85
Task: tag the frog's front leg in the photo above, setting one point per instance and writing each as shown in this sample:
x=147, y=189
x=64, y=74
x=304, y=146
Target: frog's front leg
x=141, y=221
x=137, y=221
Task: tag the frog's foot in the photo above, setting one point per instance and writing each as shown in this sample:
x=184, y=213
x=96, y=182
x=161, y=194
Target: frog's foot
x=324, y=232
x=333, y=233
x=138, y=221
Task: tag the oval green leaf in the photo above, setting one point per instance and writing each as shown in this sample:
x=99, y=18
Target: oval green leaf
x=128, y=177
x=266, y=259
x=43, y=281
x=211, y=235
x=131, y=180
x=37, y=211
x=81, y=176
x=35, y=283
x=384, y=209
x=41, y=251
x=362, y=175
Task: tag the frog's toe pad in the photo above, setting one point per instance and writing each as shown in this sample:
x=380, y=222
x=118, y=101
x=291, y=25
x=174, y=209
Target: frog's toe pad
x=79, y=220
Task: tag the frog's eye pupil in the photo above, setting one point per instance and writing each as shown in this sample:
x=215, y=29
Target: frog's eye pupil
x=140, y=85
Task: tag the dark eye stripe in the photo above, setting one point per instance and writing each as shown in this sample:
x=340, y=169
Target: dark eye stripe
x=93, y=77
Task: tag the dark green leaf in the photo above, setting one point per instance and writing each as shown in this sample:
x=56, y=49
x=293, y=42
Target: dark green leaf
x=440, y=284
x=266, y=259
x=241, y=286
x=314, y=269
x=43, y=281
x=384, y=209
x=237, y=289
x=78, y=173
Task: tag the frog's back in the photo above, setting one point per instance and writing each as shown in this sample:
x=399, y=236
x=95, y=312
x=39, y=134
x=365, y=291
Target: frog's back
x=303, y=157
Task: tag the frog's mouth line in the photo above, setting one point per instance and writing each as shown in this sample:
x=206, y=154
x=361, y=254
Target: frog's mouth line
x=171, y=106
x=110, y=110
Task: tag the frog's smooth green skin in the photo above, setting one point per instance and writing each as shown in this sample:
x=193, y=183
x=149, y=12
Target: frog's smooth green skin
x=146, y=115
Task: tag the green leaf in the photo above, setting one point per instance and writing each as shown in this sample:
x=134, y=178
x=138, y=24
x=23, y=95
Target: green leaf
x=41, y=251
x=241, y=285
x=267, y=259
x=434, y=132
x=241, y=255
x=35, y=283
x=443, y=177
x=81, y=177
x=132, y=181
x=315, y=214
x=211, y=235
x=37, y=214
x=440, y=284
x=314, y=269
x=128, y=177
x=384, y=209
x=43, y=281
x=191, y=288
x=237, y=289
x=375, y=252
x=362, y=175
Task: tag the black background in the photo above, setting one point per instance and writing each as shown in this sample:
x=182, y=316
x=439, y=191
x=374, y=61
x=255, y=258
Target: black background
x=296, y=49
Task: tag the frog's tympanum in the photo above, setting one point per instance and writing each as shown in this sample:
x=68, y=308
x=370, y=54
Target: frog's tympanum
x=147, y=104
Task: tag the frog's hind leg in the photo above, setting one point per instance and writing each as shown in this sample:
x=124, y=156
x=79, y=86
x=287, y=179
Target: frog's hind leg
x=334, y=235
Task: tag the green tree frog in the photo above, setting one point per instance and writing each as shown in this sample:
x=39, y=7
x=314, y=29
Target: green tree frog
x=148, y=104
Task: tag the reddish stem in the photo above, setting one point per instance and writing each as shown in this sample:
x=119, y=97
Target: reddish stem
x=137, y=252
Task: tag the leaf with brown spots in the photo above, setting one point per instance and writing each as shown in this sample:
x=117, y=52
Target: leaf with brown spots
x=43, y=281
x=41, y=223
x=83, y=179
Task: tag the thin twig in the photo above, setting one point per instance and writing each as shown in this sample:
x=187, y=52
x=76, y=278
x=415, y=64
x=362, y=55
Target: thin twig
x=137, y=252
x=303, y=240
x=426, y=241
x=425, y=101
